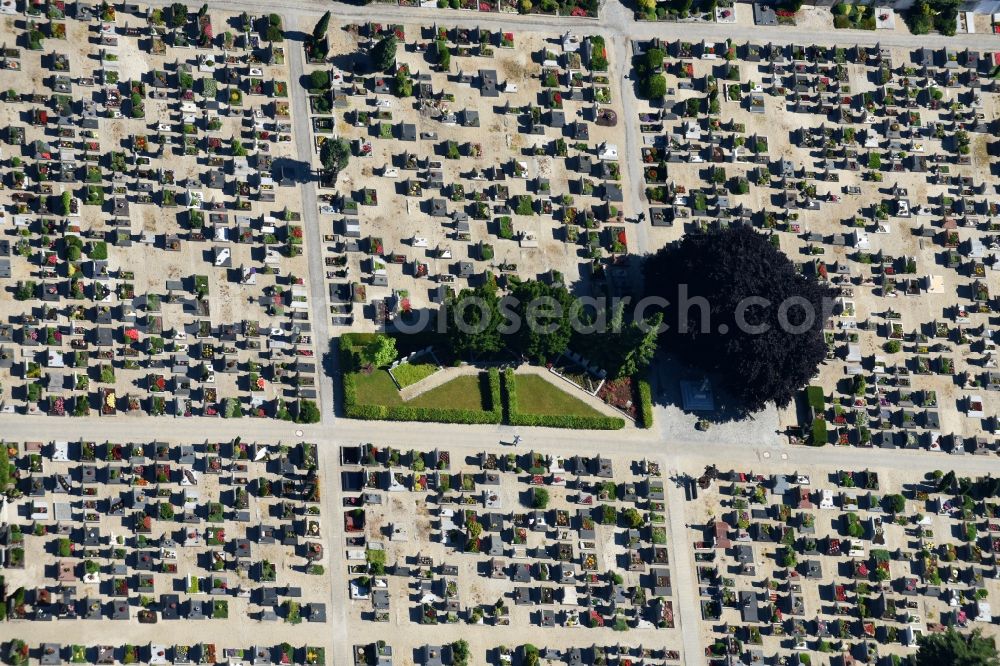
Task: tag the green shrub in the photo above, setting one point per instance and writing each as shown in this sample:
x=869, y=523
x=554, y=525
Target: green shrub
x=645, y=404
x=819, y=434
x=815, y=397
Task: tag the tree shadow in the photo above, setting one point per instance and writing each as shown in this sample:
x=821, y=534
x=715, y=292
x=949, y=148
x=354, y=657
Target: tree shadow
x=672, y=373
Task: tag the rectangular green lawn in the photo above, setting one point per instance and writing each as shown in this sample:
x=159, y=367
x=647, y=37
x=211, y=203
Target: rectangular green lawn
x=411, y=373
x=376, y=388
x=537, y=396
x=463, y=392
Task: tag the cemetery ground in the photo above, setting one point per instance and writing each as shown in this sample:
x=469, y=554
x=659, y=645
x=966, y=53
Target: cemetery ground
x=158, y=290
x=148, y=271
x=166, y=550
x=502, y=549
x=460, y=177
x=839, y=564
x=873, y=169
x=464, y=443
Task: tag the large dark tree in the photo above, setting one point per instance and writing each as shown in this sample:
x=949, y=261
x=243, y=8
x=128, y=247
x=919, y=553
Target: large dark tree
x=956, y=649
x=761, y=352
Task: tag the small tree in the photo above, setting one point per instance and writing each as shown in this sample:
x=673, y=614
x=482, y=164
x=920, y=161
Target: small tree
x=381, y=351
x=403, y=85
x=443, y=55
x=319, y=80
x=540, y=498
x=178, y=14
x=633, y=517
x=383, y=54
x=334, y=155
x=460, y=652
x=319, y=31
x=308, y=412
x=894, y=503
x=656, y=86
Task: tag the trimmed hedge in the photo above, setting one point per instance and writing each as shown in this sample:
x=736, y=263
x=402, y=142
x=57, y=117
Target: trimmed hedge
x=553, y=420
x=645, y=404
x=510, y=393
x=820, y=436
x=815, y=398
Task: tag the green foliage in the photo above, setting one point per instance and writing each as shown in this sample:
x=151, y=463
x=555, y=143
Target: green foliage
x=273, y=31
x=25, y=290
x=925, y=15
x=645, y=404
x=319, y=80
x=334, y=154
x=460, y=653
x=540, y=498
x=652, y=84
x=383, y=54
x=895, y=503
x=6, y=470
x=956, y=649
x=403, y=87
x=319, y=31
x=308, y=412
x=481, y=333
x=376, y=561
x=178, y=14
x=545, y=312
x=816, y=399
x=819, y=433
x=633, y=517
x=443, y=55
x=354, y=410
x=381, y=351
x=655, y=87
